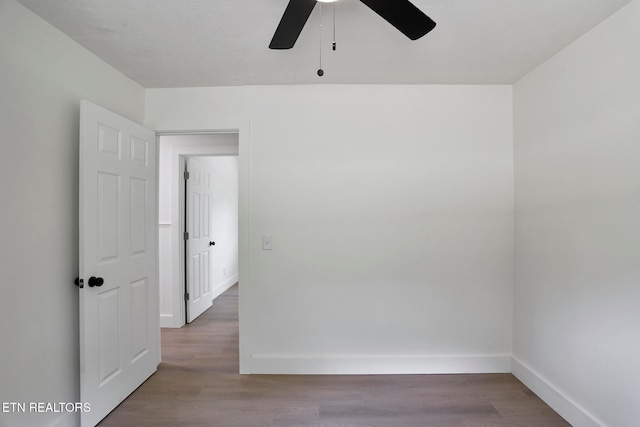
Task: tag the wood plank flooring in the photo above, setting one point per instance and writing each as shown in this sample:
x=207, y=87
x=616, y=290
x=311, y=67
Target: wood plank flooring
x=197, y=385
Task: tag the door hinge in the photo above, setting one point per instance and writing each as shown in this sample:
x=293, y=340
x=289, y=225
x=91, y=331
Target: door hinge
x=186, y=235
x=186, y=174
x=186, y=296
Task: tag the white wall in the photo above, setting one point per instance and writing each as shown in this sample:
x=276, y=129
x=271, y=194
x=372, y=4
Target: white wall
x=577, y=165
x=173, y=150
x=391, y=212
x=43, y=76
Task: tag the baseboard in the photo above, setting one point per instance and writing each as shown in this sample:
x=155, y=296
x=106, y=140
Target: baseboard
x=382, y=365
x=170, y=321
x=552, y=396
x=222, y=287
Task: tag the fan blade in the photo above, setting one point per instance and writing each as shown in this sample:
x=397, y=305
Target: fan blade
x=403, y=15
x=291, y=24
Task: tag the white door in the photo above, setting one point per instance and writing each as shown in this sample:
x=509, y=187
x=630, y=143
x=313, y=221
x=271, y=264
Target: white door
x=199, y=241
x=119, y=320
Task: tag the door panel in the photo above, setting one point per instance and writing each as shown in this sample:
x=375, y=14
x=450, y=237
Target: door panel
x=107, y=233
x=139, y=327
x=119, y=321
x=138, y=214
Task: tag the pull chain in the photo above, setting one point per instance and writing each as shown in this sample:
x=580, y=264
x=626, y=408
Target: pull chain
x=334, y=26
x=320, y=71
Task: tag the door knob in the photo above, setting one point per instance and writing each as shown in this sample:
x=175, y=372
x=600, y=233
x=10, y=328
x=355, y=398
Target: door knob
x=95, y=281
x=212, y=243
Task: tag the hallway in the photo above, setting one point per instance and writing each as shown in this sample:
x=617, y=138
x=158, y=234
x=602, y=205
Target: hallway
x=197, y=385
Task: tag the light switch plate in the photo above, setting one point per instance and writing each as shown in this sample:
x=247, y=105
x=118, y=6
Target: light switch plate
x=267, y=243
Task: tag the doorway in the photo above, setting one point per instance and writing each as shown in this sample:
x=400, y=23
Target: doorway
x=218, y=150
x=211, y=225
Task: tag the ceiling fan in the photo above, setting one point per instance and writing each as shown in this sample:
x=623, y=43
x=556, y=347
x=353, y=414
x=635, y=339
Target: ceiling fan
x=402, y=14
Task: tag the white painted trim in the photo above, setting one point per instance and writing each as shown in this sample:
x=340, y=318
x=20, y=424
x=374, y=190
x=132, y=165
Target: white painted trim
x=168, y=318
x=169, y=321
x=575, y=414
x=381, y=365
x=156, y=250
x=222, y=287
x=244, y=245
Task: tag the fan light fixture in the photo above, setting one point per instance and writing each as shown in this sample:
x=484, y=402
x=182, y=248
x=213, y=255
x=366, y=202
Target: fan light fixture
x=402, y=14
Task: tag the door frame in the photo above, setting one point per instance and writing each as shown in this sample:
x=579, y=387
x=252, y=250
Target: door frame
x=242, y=151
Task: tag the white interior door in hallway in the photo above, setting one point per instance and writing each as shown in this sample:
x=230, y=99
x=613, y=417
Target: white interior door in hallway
x=119, y=319
x=199, y=241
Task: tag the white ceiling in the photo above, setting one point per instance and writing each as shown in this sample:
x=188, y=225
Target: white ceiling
x=172, y=43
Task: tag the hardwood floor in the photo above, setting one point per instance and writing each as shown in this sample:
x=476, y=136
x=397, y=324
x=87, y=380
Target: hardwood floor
x=197, y=385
